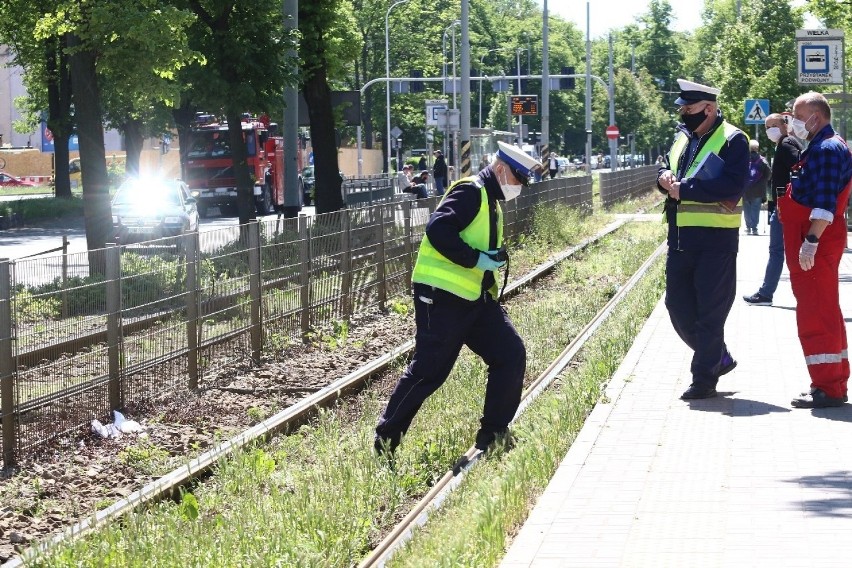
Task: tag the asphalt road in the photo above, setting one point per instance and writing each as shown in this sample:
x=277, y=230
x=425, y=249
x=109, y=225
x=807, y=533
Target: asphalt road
x=21, y=242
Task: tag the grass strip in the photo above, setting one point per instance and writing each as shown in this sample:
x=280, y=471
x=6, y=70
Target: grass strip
x=319, y=497
x=475, y=525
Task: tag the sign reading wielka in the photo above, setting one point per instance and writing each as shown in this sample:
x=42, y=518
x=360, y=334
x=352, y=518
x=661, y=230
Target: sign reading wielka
x=820, y=57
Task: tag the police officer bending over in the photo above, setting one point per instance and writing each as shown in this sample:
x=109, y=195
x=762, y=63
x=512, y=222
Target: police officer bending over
x=455, y=302
x=704, y=176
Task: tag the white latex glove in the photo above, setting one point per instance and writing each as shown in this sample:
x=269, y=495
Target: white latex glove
x=807, y=254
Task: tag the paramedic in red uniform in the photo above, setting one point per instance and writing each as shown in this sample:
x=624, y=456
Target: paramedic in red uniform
x=812, y=216
x=704, y=175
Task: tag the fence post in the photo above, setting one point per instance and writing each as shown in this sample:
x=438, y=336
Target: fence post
x=381, y=260
x=346, y=265
x=192, y=295
x=113, y=305
x=255, y=295
x=64, y=276
x=409, y=253
x=305, y=273
x=7, y=367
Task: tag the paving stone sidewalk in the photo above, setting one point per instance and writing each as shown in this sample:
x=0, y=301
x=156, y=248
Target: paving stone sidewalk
x=741, y=480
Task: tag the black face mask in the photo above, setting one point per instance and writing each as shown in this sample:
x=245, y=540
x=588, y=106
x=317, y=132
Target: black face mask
x=694, y=120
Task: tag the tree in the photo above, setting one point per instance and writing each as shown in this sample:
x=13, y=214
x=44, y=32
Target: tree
x=328, y=40
x=47, y=77
x=147, y=30
x=659, y=50
x=756, y=54
x=245, y=68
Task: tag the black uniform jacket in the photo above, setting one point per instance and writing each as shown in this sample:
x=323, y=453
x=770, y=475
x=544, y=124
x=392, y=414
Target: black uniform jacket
x=728, y=186
x=455, y=212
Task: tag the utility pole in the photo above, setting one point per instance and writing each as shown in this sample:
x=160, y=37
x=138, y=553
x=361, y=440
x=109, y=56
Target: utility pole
x=613, y=144
x=545, y=88
x=465, y=169
x=588, y=91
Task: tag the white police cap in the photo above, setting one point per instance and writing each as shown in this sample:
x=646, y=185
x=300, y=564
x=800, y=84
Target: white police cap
x=691, y=92
x=519, y=161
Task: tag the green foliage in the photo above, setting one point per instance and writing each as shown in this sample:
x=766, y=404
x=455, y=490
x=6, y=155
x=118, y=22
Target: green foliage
x=752, y=56
x=144, y=280
x=400, y=307
x=145, y=457
x=188, y=506
x=30, y=307
x=40, y=209
x=256, y=414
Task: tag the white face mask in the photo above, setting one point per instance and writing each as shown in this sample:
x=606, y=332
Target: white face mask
x=773, y=133
x=799, y=128
x=510, y=191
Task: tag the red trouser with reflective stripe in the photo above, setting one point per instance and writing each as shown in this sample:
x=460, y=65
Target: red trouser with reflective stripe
x=822, y=331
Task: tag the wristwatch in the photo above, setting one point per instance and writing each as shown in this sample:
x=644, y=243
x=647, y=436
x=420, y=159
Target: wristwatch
x=812, y=239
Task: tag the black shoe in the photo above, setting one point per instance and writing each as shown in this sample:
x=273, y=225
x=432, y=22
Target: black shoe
x=844, y=397
x=385, y=446
x=757, y=299
x=487, y=441
x=698, y=391
x=727, y=364
x=817, y=399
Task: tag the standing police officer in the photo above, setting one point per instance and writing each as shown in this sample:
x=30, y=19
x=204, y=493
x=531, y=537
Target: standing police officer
x=455, y=302
x=704, y=176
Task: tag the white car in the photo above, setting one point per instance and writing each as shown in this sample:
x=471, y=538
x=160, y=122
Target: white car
x=146, y=209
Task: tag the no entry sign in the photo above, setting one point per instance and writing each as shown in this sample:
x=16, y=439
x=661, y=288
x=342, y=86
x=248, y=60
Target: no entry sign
x=612, y=132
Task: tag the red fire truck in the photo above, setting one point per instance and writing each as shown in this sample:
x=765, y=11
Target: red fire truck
x=208, y=167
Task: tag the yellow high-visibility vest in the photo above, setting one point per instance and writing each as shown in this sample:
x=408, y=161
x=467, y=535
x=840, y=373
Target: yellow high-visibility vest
x=436, y=270
x=695, y=213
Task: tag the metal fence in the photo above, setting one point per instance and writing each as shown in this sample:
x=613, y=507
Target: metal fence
x=77, y=343
x=622, y=184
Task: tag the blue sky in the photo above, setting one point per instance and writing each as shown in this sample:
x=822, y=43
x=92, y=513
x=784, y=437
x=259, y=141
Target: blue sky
x=607, y=14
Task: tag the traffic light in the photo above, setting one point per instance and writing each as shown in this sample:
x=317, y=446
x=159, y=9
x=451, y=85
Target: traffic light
x=568, y=82
x=416, y=86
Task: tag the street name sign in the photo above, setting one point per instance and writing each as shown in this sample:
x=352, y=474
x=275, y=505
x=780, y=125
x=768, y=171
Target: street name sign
x=819, y=56
x=432, y=108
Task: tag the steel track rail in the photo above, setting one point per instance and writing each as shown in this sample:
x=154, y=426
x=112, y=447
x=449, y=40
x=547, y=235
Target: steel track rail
x=169, y=484
x=433, y=500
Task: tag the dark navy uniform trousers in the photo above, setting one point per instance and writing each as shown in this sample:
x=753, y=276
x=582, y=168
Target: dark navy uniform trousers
x=700, y=290
x=445, y=322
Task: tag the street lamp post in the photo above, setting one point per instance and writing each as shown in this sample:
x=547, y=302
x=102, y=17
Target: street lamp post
x=444, y=60
x=520, y=117
x=387, y=77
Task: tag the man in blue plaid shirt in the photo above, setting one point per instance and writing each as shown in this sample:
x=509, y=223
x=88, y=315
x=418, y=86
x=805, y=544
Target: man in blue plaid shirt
x=814, y=223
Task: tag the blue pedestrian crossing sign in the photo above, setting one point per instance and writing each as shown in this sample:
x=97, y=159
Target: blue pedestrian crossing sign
x=756, y=110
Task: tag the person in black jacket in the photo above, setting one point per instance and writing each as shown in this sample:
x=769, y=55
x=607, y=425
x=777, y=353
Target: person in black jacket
x=756, y=184
x=787, y=151
x=439, y=173
x=704, y=175
x=456, y=303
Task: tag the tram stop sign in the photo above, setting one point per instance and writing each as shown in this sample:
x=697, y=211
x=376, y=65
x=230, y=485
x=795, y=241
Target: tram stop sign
x=612, y=132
